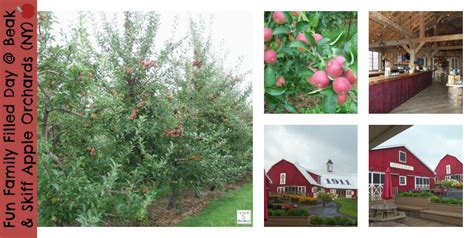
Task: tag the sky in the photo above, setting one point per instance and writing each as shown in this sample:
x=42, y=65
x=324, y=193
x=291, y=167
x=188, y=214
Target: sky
x=430, y=143
x=312, y=146
x=230, y=32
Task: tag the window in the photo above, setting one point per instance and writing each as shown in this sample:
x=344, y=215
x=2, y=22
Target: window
x=349, y=193
x=447, y=177
x=314, y=190
x=283, y=178
x=301, y=189
x=376, y=178
x=448, y=169
x=402, y=156
x=422, y=183
x=403, y=180
x=347, y=182
x=333, y=191
x=373, y=61
x=280, y=189
x=329, y=181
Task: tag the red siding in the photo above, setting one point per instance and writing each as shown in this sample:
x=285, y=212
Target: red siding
x=293, y=177
x=456, y=167
x=385, y=96
x=379, y=161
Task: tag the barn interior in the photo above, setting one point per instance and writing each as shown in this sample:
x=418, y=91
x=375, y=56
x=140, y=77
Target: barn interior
x=422, y=49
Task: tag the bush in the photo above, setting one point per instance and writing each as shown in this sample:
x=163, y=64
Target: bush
x=277, y=212
x=435, y=199
x=300, y=212
x=331, y=221
x=317, y=220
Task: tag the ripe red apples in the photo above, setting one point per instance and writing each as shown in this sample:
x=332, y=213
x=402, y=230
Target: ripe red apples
x=267, y=34
x=270, y=56
x=342, y=98
x=349, y=75
x=280, y=82
x=335, y=66
x=317, y=37
x=341, y=85
x=319, y=79
x=279, y=17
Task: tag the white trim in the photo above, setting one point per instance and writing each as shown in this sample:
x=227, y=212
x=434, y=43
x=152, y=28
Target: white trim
x=404, y=180
x=401, y=145
x=399, y=156
x=280, y=189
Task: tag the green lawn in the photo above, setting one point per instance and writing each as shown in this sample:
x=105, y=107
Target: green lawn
x=223, y=211
x=348, y=206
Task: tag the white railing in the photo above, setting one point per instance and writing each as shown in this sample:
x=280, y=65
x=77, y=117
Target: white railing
x=375, y=191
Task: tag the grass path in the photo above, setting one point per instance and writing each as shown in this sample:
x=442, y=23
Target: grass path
x=223, y=211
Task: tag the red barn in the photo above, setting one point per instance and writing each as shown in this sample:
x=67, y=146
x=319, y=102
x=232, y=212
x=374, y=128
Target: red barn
x=449, y=167
x=292, y=178
x=408, y=171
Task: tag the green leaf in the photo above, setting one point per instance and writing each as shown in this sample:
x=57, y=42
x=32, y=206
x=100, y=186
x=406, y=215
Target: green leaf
x=288, y=17
x=270, y=77
x=324, y=41
x=281, y=30
x=310, y=39
x=353, y=67
x=347, y=46
x=289, y=107
x=330, y=102
x=305, y=72
x=275, y=91
x=314, y=20
x=302, y=26
x=297, y=44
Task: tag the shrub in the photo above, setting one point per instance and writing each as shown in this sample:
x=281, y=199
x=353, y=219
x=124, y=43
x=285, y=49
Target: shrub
x=331, y=221
x=300, y=212
x=435, y=199
x=317, y=220
x=277, y=212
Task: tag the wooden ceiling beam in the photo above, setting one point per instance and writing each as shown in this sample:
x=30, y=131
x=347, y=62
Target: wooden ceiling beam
x=384, y=21
x=426, y=39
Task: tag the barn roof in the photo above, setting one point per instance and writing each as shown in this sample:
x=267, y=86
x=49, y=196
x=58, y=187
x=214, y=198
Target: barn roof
x=305, y=173
x=337, y=181
x=446, y=157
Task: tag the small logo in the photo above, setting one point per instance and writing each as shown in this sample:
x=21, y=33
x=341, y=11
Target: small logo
x=244, y=217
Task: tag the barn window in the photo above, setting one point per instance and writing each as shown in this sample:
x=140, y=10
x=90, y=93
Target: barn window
x=403, y=180
x=377, y=178
x=402, y=156
x=283, y=178
x=342, y=182
x=334, y=181
x=373, y=61
x=280, y=189
x=333, y=191
x=448, y=169
x=329, y=181
x=347, y=182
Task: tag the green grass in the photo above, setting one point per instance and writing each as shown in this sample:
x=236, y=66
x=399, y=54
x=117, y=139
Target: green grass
x=223, y=211
x=348, y=206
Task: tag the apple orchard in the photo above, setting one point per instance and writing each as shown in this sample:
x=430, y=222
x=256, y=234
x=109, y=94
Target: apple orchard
x=123, y=123
x=310, y=62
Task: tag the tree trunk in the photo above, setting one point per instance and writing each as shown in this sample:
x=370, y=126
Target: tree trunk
x=44, y=129
x=173, y=196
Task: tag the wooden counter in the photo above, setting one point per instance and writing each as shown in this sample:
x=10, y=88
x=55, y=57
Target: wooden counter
x=387, y=93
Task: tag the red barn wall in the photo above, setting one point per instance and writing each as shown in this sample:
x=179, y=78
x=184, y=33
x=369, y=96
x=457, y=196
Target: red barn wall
x=379, y=161
x=456, y=167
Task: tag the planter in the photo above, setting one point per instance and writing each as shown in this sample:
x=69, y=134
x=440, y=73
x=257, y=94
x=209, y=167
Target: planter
x=287, y=221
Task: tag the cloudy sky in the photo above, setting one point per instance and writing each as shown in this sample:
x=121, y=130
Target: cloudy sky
x=311, y=146
x=431, y=143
